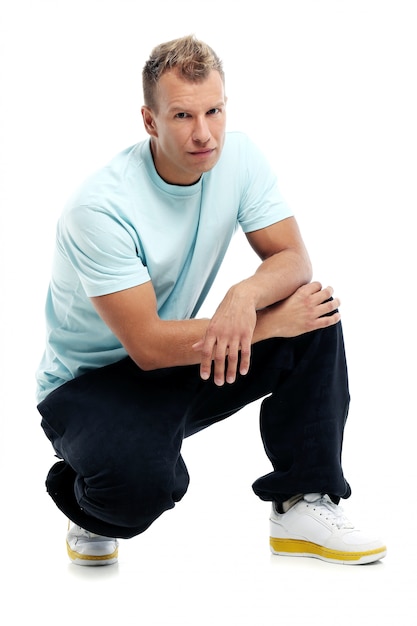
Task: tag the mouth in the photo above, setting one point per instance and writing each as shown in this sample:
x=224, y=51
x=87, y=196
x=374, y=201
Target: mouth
x=203, y=153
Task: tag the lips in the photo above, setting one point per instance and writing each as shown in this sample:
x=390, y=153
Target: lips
x=203, y=152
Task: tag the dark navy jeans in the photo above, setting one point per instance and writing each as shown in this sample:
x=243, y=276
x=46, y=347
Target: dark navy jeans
x=119, y=430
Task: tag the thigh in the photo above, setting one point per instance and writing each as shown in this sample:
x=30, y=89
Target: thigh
x=270, y=361
x=118, y=412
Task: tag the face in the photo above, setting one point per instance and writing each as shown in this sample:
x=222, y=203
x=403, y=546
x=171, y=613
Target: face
x=188, y=130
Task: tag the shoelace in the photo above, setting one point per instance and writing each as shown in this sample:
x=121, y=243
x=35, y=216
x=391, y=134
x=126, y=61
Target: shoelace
x=85, y=533
x=334, y=513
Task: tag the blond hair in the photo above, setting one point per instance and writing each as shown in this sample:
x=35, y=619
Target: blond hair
x=193, y=59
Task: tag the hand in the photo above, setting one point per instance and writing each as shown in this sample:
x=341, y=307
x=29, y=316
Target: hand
x=229, y=333
x=309, y=308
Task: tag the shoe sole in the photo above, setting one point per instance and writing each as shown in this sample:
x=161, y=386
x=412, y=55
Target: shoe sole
x=298, y=547
x=92, y=559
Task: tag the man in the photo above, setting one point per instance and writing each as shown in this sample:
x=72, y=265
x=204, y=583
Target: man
x=129, y=369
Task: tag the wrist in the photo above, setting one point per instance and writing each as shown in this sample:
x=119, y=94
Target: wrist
x=262, y=329
x=246, y=293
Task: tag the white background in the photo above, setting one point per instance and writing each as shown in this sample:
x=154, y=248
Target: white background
x=327, y=89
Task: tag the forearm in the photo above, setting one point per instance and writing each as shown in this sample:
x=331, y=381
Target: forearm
x=310, y=308
x=171, y=343
x=276, y=278
x=165, y=343
x=154, y=343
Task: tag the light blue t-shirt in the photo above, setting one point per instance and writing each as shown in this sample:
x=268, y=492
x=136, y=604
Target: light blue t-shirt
x=126, y=226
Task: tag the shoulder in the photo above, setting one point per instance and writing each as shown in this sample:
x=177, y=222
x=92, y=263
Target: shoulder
x=110, y=176
x=107, y=189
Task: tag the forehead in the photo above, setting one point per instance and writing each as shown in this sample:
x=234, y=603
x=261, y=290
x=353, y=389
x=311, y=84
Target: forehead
x=174, y=91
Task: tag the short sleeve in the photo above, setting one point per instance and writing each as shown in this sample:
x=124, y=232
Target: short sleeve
x=102, y=249
x=261, y=201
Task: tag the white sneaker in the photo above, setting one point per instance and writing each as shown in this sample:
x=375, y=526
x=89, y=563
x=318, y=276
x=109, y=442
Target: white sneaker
x=317, y=527
x=85, y=548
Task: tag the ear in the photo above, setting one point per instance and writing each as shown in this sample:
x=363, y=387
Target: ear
x=149, y=121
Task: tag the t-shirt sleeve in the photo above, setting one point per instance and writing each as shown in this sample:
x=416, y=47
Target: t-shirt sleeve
x=261, y=201
x=101, y=249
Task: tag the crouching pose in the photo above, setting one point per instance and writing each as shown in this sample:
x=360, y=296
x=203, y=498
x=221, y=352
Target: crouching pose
x=129, y=368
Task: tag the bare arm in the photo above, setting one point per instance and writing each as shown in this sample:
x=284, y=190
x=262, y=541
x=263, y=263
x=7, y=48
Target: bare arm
x=151, y=342
x=247, y=314
x=234, y=327
x=285, y=263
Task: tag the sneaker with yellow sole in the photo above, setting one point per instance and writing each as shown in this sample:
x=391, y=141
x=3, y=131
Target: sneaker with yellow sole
x=316, y=527
x=85, y=548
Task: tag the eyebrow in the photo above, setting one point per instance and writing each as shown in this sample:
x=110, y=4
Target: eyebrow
x=178, y=109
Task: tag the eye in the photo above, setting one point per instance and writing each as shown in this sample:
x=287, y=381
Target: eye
x=214, y=111
x=181, y=116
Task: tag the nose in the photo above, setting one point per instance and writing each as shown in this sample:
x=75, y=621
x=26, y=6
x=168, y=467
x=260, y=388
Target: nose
x=201, y=131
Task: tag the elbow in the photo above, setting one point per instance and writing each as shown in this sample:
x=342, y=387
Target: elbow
x=147, y=358
x=148, y=365
x=147, y=348
x=145, y=362
x=309, y=272
x=306, y=271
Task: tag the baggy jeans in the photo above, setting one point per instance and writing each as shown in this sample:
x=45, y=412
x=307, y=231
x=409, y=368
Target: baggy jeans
x=119, y=430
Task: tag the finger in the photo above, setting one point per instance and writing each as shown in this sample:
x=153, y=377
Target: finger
x=207, y=353
x=328, y=307
x=323, y=295
x=245, y=354
x=327, y=293
x=311, y=288
x=220, y=353
x=328, y=320
x=232, y=362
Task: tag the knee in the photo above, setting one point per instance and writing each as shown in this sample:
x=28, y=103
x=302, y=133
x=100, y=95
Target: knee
x=134, y=498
